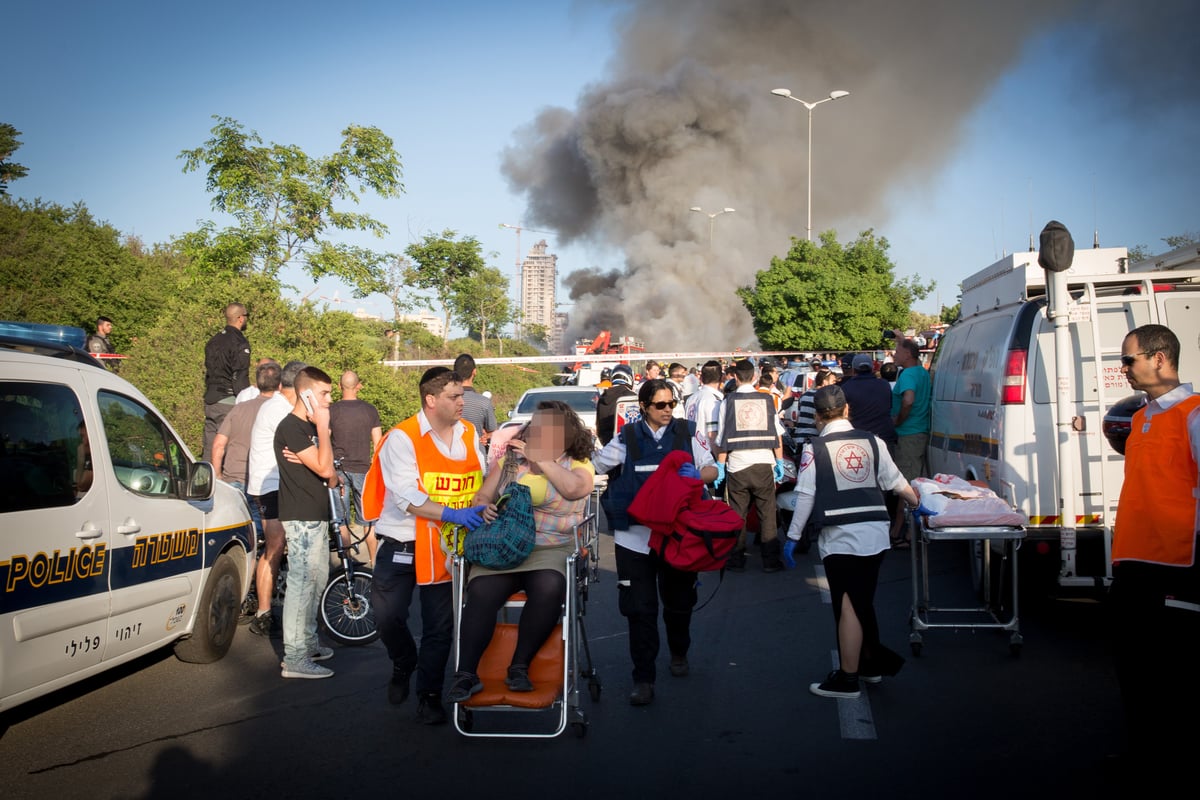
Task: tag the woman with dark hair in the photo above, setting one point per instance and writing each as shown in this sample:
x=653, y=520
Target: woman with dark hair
x=642, y=577
x=550, y=456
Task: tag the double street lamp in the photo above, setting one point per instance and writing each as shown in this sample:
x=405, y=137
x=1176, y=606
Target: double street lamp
x=711, y=220
x=837, y=94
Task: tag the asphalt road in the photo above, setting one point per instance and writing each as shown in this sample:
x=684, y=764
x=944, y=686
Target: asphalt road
x=965, y=719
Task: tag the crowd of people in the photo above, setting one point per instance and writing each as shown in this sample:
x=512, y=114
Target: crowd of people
x=856, y=430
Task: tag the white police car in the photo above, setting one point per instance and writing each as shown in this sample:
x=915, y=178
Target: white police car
x=113, y=540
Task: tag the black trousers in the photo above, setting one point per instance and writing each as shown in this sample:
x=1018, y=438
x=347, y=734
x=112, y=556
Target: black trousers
x=642, y=580
x=1156, y=648
x=857, y=577
x=391, y=593
x=755, y=483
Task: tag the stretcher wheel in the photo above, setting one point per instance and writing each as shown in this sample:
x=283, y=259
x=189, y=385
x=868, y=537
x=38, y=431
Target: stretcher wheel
x=580, y=729
x=466, y=720
x=594, y=689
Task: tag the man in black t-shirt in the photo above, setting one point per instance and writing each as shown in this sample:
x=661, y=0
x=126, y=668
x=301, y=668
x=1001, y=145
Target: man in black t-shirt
x=304, y=453
x=356, y=430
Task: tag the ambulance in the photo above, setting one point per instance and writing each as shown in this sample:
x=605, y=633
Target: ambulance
x=995, y=378
x=114, y=540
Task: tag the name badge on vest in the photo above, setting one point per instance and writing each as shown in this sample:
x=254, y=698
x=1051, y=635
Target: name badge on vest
x=402, y=558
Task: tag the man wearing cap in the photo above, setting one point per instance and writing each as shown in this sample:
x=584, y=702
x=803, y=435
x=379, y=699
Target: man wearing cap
x=869, y=400
x=843, y=474
x=606, y=406
x=425, y=472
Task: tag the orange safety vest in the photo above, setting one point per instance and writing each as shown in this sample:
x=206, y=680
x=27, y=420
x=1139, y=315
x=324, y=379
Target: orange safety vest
x=447, y=481
x=1153, y=525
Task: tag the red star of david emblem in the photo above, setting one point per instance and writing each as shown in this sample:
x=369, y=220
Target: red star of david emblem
x=854, y=461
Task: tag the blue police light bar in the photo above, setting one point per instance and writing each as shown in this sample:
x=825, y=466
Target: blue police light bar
x=41, y=333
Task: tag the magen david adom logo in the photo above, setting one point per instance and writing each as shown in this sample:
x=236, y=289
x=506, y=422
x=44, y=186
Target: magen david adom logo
x=853, y=462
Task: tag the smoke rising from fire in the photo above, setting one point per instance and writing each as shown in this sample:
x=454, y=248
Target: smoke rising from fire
x=686, y=118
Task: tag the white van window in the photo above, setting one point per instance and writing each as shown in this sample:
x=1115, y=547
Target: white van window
x=978, y=361
x=1113, y=321
x=40, y=444
x=1181, y=313
x=145, y=456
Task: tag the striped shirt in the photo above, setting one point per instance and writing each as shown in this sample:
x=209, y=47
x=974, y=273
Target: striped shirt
x=478, y=410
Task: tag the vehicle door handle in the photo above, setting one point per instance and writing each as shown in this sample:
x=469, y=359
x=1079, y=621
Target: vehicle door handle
x=89, y=531
x=129, y=527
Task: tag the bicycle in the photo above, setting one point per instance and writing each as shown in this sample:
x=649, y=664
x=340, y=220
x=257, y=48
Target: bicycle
x=345, y=611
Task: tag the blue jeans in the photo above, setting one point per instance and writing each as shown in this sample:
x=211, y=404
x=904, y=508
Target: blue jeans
x=255, y=516
x=308, y=572
x=354, y=493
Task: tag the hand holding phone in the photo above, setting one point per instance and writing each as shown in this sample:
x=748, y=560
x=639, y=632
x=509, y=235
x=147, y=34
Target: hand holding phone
x=310, y=402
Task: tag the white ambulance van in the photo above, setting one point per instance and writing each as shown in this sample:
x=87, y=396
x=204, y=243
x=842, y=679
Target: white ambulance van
x=114, y=540
x=994, y=374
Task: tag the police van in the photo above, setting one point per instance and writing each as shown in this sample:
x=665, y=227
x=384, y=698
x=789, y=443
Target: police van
x=994, y=410
x=114, y=540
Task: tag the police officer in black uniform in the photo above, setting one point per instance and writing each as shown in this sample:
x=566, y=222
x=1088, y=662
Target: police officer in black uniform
x=226, y=371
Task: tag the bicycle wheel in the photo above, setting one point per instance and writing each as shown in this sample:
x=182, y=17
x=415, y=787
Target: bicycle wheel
x=346, y=611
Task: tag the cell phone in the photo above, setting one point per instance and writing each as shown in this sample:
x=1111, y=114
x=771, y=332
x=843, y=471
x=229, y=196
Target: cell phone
x=310, y=401
x=502, y=501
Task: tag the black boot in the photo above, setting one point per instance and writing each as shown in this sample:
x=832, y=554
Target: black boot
x=736, y=561
x=771, y=556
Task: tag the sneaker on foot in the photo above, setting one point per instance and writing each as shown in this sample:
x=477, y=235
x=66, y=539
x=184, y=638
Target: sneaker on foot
x=306, y=669
x=322, y=653
x=462, y=686
x=838, y=684
x=430, y=710
x=642, y=694
x=398, y=686
x=518, y=678
x=679, y=666
x=249, y=609
x=870, y=678
x=265, y=625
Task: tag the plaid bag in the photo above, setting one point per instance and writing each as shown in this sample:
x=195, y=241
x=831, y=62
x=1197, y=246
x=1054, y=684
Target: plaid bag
x=508, y=540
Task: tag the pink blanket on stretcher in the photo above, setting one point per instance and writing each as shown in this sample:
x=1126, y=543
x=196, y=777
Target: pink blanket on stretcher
x=948, y=501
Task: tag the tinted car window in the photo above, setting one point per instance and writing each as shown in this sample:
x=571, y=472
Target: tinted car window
x=579, y=401
x=43, y=450
x=145, y=456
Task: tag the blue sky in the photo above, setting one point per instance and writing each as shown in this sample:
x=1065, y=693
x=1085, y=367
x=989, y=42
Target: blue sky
x=107, y=95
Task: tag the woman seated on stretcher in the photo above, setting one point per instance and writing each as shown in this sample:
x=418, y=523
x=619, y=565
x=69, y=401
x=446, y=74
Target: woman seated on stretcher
x=552, y=458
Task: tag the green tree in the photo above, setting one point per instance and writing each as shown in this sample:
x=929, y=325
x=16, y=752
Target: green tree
x=283, y=202
x=481, y=304
x=537, y=335
x=9, y=170
x=1182, y=239
x=951, y=313
x=828, y=296
x=442, y=261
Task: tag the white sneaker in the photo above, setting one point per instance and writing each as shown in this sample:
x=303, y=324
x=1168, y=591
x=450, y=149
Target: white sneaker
x=320, y=654
x=306, y=669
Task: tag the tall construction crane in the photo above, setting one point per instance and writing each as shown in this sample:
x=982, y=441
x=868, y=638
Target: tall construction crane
x=520, y=277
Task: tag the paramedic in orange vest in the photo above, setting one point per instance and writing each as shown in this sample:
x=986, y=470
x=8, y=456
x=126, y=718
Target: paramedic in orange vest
x=1155, y=593
x=431, y=466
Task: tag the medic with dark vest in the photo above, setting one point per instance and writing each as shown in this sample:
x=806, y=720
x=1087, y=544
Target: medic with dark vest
x=425, y=472
x=843, y=475
x=1155, y=593
x=642, y=577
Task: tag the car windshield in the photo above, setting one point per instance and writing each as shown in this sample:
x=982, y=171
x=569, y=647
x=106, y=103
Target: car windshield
x=581, y=402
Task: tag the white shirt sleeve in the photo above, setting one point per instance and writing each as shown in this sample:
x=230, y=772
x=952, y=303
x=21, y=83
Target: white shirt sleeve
x=806, y=493
x=611, y=456
x=398, y=464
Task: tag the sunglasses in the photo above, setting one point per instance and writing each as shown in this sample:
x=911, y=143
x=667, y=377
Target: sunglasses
x=663, y=404
x=1129, y=360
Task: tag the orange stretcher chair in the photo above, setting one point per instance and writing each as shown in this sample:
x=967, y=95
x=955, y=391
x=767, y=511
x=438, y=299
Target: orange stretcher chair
x=558, y=669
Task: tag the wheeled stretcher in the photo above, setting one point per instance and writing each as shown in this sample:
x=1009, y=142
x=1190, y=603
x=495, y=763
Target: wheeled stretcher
x=985, y=616
x=558, y=669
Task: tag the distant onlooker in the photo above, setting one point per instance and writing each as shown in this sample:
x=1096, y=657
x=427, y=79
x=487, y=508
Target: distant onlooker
x=356, y=430
x=97, y=343
x=226, y=371
x=478, y=409
x=251, y=391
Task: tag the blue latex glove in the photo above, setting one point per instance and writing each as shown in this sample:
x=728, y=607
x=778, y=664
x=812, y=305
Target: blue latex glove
x=688, y=470
x=789, y=554
x=720, y=475
x=470, y=518
x=779, y=470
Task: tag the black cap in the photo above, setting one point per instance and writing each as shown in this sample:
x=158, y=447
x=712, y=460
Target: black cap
x=829, y=398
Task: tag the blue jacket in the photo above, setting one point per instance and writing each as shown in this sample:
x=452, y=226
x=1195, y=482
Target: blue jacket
x=642, y=456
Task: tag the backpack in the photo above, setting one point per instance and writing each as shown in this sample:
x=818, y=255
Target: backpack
x=702, y=539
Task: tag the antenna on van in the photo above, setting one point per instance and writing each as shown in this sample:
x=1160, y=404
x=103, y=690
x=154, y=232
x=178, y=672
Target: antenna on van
x=1031, y=215
x=1095, y=217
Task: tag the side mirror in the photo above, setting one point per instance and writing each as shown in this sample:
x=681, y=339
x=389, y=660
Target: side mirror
x=200, y=482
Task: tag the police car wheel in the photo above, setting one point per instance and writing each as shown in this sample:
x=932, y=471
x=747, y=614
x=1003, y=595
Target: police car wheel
x=216, y=616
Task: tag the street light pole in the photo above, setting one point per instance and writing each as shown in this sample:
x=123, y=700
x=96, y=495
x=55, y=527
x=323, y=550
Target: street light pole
x=711, y=220
x=836, y=94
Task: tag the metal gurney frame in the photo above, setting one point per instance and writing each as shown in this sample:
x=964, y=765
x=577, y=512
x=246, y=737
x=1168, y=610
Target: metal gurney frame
x=923, y=610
